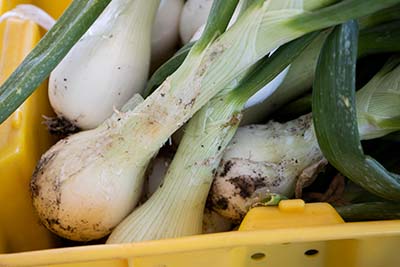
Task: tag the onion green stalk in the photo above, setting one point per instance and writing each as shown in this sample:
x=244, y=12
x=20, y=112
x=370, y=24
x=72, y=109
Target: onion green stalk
x=277, y=157
x=212, y=221
x=381, y=17
x=298, y=80
x=82, y=191
x=108, y=65
x=370, y=211
x=336, y=121
x=383, y=38
x=194, y=14
x=169, y=67
x=177, y=207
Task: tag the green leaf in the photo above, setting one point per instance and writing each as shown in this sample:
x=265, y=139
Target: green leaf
x=169, y=67
x=335, y=119
x=220, y=15
x=382, y=38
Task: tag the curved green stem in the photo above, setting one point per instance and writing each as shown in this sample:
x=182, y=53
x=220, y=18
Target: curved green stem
x=335, y=117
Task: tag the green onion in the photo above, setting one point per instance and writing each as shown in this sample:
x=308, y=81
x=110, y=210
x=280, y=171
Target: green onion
x=57, y=42
x=105, y=176
x=111, y=62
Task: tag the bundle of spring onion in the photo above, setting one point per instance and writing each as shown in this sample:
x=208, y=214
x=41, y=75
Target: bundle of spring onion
x=89, y=182
x=176, y=213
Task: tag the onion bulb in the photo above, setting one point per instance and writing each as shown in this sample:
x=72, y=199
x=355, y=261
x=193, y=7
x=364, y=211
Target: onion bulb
x=88, y=182
x=263, y=159
x=107, y=66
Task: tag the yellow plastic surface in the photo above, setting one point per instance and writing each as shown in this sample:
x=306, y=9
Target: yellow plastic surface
x=329, y=243
x=23, y=138
x=290, y=214
x=291, y=235
x=6, y=5
x=53, y=7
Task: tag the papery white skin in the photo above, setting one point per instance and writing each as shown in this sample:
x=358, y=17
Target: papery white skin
x=263, y=159
x=107, y=66
x=86, y=184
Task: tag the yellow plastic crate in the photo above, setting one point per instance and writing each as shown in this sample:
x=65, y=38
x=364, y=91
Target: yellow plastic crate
x=23, y=138
x=292, y=234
